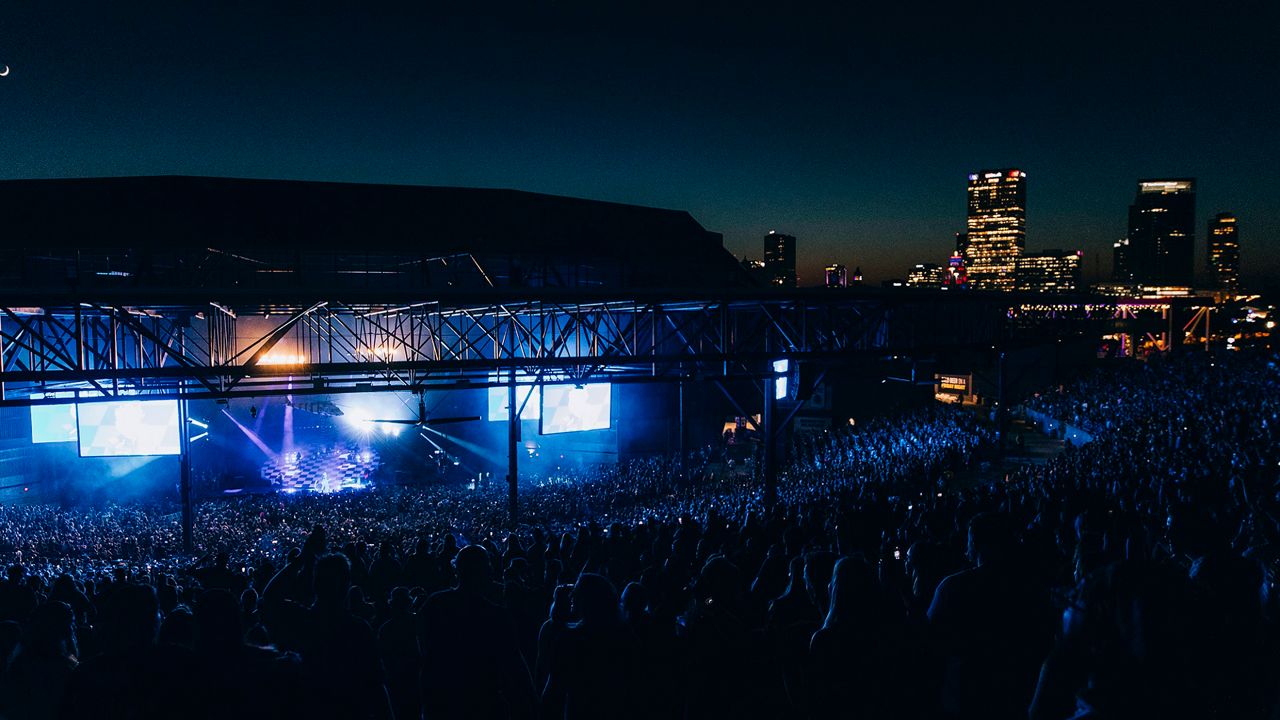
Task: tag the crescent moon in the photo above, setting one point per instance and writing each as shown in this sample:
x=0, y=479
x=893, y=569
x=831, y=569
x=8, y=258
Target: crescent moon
x=6, y=71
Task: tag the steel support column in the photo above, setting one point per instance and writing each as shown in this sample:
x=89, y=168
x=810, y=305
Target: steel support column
x=513, y=452
x=184, y=480
x=770, y=443
x=681, y=441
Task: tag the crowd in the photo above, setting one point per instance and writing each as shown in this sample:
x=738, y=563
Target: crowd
x=1131, y=577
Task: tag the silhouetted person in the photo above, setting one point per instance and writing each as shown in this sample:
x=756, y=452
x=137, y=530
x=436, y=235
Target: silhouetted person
x=593, y=664
x=36, y=682
x=727, y=670
x=237, y=679
x=792, y=620
x=794, y=606
x=859, y=658
x=472, y=666
x=217, y=574
x=65, y=590
x=992, y=626
x=134, y=677
x=334, y=643
x=384, y=574
x=1129, y=649
x=401, y=656
x=17, y=599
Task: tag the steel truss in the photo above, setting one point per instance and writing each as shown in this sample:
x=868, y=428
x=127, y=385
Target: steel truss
x=58, y=350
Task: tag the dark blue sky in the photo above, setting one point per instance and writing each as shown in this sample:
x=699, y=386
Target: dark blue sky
x=852, y=130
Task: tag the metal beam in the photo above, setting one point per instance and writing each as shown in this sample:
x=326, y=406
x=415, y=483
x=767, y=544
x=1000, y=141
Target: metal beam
x=577, y=336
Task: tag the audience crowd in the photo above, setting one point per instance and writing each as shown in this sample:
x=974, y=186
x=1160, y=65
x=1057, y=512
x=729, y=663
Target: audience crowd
x=902, y=573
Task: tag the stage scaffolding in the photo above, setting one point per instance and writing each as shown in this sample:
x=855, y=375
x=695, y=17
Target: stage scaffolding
x=103, y=345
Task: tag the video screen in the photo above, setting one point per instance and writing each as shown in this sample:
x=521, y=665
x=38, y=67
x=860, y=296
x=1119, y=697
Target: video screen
x=527, y=395
x=53, y=423
x=572, y=408
x=129, y=427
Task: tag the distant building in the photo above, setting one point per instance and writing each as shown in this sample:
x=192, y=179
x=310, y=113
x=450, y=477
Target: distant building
x=1224, y=251
x=962, y=242
x=1121, y=267
x=1116, y=288
x=1161, y=241
x=857, y=276
x=756, y=271
x=997, y=227
x=957, y=275
x=1050, y=271
x=780, y=259
x=925, y=275
x=837, y=276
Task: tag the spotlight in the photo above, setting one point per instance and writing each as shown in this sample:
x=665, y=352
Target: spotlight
x=253, y=411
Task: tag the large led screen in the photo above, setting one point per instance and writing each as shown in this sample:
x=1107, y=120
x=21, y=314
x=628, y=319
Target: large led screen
x=498, y=403
x=129, y=427
x=570, y=408
x=53, y=423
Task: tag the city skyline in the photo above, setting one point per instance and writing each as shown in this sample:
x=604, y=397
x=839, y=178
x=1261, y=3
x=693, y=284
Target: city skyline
x=855, y=145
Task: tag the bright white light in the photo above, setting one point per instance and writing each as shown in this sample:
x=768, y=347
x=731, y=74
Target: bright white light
x=780, y=368
x=53, y=423
x=276, y=357
x=197, y=423
x=572, y=409
x=358, y=421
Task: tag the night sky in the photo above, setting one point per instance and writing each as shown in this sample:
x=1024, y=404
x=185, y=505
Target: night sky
x=851, y=130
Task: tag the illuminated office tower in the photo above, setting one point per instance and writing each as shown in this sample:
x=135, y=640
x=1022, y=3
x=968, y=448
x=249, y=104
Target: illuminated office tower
x=1224, y=251
x=1051, y=271
x=925, y=275
x=780, y=259
x=837, y=276
x=997, y=228
x=1162, y=237
x=1121, y=267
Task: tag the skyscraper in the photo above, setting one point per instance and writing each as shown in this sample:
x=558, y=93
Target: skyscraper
x=1224, y=251
x=997, y=227
x=1162, y=236
x=1050, y=271
x=925, y=275
x=837, y=276
x=780, y=259
x=1121, y=267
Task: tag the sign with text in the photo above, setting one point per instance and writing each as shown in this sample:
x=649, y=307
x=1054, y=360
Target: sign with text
x=954, y=384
